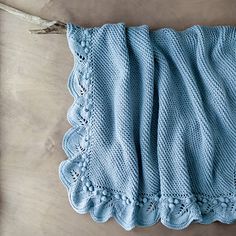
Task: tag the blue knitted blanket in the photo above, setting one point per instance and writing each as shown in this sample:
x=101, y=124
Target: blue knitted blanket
x=153, y=134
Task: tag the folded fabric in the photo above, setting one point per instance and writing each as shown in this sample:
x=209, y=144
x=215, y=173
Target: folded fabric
x=153, y=134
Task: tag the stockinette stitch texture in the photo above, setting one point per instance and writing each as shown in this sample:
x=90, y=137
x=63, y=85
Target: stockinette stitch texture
x=153, y=134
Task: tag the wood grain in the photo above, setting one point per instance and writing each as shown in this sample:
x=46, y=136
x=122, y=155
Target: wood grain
x=34, y=102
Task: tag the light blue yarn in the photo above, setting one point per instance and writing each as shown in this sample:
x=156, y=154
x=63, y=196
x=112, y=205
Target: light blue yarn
x=153, y=134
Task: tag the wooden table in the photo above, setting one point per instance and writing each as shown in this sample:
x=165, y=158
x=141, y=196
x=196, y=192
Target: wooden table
x=35, y=100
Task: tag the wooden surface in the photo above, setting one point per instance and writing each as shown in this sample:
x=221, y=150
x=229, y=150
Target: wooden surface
x=34, y=102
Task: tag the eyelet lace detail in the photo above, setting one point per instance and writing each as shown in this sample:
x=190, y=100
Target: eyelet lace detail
x=174, y=211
